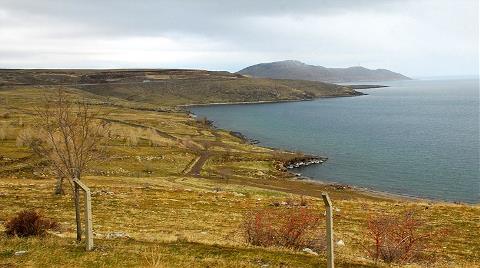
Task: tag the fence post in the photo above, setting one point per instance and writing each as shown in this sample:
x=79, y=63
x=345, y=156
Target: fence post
x=88, y=221
x=88, y=215
x=329, y=219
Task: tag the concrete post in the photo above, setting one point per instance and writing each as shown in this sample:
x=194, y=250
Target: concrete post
x=88, y=215
x=329, y=219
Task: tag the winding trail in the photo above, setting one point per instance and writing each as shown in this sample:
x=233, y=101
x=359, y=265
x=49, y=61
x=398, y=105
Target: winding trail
x=196, y=167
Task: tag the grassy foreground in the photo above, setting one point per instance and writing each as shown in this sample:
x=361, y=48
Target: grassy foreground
x=176, y=190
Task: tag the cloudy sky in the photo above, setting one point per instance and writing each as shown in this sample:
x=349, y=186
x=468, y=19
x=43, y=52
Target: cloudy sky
x=417, y=37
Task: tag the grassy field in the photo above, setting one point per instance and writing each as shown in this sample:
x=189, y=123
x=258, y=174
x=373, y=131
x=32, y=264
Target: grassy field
x=178, y=190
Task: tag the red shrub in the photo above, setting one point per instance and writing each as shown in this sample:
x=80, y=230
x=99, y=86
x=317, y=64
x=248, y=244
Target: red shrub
x=295, y=228
x=398, y=238
x=258, y=230
x=29, y=223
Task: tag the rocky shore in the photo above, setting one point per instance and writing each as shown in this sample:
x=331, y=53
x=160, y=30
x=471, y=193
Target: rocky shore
x=243, y=137
x=303, y=162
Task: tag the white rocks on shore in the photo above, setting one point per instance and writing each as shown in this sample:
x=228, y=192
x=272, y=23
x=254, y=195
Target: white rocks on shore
x=304, y=163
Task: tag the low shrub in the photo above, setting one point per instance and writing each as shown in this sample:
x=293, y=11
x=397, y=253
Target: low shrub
x=26, y=137
x=29, y=223
x=3, y=133
x=5, y=115
x=399, y=238
x=295, y=228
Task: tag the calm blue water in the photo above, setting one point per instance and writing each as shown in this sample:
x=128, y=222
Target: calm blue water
x=418, y=138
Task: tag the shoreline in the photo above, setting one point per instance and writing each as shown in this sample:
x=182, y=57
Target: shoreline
x=240, y=102
x=301, y=177
x=376, y=193
x=265, y=102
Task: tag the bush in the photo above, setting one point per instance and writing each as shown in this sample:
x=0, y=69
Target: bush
x=295, y=228
x=5, y=115
x=398, y=238
x=26, y=137
x=29, y=223
x=3, y=133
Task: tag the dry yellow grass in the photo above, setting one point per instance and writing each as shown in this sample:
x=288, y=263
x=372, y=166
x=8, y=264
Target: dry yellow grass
x=173, y=219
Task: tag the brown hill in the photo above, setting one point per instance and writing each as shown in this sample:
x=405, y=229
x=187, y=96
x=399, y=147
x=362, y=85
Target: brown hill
x=291, y=69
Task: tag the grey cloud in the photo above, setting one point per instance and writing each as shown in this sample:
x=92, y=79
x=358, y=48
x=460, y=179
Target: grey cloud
x=126, y=17
x=231, y=34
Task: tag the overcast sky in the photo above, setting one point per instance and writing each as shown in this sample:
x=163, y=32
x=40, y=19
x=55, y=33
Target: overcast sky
x=416, y=38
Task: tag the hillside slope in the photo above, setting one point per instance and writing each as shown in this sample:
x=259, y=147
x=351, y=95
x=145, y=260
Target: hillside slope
x=291, y=69
x=172, y=87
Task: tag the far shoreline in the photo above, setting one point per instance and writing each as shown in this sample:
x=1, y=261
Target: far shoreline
x=266, y=101
x=357, y=86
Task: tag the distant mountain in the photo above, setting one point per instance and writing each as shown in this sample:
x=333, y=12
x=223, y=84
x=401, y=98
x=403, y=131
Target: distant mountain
x=292, y=69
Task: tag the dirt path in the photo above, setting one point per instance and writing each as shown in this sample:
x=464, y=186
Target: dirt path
x=197, y=166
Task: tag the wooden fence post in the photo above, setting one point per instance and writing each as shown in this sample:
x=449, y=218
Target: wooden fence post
x=329, y=219
x=88, y=215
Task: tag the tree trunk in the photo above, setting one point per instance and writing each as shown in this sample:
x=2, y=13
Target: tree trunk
x=76, y=197
x=59, y=186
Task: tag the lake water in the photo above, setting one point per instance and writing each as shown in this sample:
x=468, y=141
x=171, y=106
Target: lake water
x=417, y=138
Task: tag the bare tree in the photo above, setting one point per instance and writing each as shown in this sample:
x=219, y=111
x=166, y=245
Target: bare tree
x=69, y=135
